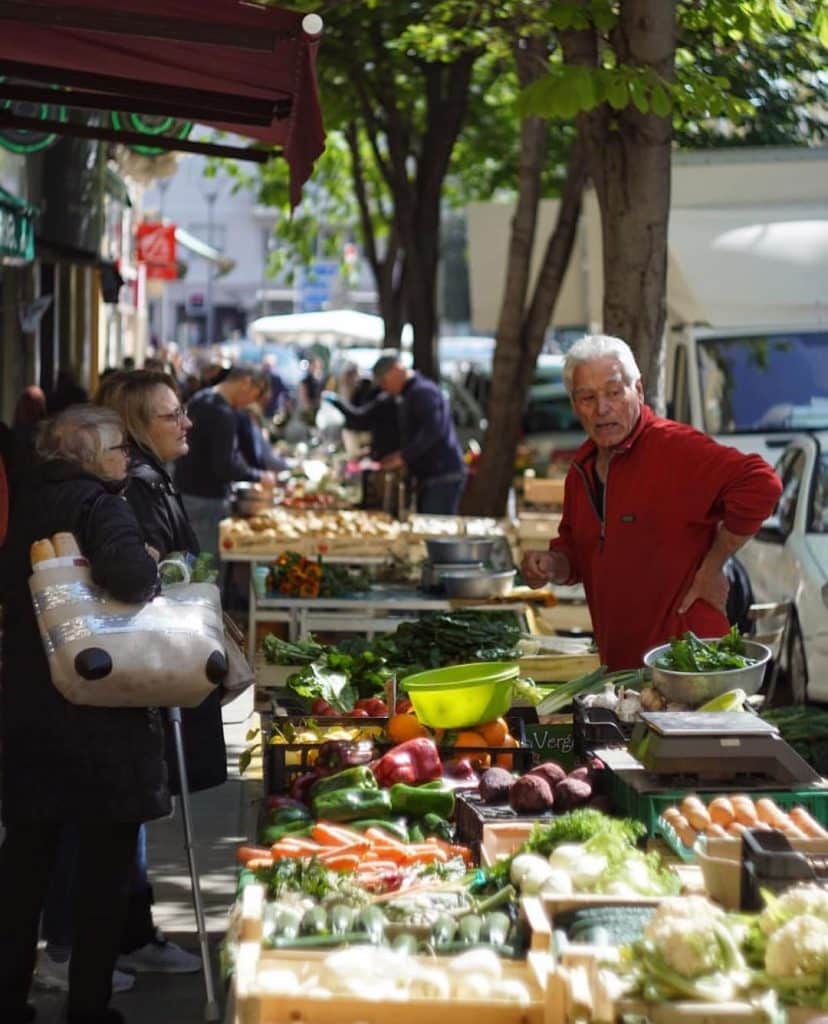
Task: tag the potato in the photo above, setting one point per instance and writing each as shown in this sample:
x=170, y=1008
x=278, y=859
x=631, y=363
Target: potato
x=735, y=828
x=715, y=831
x=495, y=784
x=744, y=810
x=721, y=811
x=571, y=793
x=530, y=795
x=686, y=833
x=698, y=817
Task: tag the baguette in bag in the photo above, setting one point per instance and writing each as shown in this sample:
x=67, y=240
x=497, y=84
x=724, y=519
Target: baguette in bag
x=168, y=652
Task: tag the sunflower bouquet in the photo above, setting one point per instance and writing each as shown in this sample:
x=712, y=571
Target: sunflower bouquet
x=294, y=575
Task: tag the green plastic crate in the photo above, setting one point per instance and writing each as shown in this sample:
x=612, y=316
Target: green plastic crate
x=648, y=807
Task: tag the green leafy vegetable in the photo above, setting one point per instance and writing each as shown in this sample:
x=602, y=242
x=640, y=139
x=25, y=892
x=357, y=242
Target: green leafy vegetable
x=689, y=654
x=282, y=652
x=316, y=681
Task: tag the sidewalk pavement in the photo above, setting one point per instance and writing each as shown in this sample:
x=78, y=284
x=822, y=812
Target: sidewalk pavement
x=221, y=818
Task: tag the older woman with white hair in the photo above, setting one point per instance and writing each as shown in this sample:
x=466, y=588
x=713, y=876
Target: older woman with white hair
x=652, y=511
x=99, y=769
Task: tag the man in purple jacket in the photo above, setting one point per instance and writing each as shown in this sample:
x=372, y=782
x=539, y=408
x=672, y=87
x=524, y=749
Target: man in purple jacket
x=429, y=448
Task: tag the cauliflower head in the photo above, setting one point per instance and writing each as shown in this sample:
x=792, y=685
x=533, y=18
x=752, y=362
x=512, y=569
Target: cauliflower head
x=686, y=933
x=802, y=899
x=799, y=947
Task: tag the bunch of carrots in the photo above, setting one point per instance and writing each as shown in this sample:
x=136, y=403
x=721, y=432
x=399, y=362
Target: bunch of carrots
x=370, y=854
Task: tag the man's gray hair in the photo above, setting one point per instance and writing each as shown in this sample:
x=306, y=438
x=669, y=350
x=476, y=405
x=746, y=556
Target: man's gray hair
x=599, y=346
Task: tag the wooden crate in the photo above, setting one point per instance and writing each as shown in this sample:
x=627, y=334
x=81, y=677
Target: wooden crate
x=502, y=838
x=254, y=1004
x=543, y=490
x=557, y=668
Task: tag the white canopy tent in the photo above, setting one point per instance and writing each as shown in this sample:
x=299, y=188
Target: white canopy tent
x=335, y=328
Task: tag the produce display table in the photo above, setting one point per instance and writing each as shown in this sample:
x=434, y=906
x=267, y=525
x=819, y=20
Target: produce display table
x=378, y=610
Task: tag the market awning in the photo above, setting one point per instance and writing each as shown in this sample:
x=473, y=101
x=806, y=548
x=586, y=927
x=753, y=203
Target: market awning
x=207, y=252
x=238, y=66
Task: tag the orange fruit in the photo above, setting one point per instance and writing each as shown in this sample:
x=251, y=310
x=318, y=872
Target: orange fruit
x=480, y=762
x=467, y=738
x=507, y=760
x=494, y=733
x=404, y=727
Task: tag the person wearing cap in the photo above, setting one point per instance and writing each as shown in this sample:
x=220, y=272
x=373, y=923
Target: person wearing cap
x=214, y=462
x=429, y=449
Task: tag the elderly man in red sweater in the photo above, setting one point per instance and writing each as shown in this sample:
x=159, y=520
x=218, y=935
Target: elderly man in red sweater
x=652, y=511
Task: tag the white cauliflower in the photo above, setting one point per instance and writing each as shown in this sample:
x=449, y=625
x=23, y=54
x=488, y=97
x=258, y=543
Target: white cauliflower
x=802, y=899
x=686, y=934
x=797, y=948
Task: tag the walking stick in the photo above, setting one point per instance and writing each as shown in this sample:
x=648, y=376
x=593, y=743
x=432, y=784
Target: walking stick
x=211, y=1007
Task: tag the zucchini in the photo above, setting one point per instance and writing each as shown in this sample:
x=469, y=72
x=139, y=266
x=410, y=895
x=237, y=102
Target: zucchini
x=372, y=921
x=341, y=918
x=443, y=930
x=496, y=927
x=315, y=922
x=470, y=929
x=405, y=942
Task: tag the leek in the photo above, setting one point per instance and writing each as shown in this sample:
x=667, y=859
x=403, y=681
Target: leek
x=592, y=682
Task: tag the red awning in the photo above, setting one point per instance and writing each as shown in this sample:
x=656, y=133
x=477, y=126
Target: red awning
x=206, y=61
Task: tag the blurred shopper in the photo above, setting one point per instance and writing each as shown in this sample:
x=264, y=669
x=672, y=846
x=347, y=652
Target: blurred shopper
x=254, y=439
x=204, y=474
x=67, y=391
x=29, y=411
x=310, y=390
x=278, y=396
x=100, y=769
x=429, y=448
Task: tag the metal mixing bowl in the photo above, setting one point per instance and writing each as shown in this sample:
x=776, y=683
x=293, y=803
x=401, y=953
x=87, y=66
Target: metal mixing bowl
x=474, y=583
x=460, y=549
x=696, y=688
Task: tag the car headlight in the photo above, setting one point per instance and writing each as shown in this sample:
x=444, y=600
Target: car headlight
x=825, y=594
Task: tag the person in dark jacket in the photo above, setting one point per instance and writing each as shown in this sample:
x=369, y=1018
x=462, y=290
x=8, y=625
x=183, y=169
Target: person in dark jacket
x=214, y=462
x=101, y=769
x=429, y=448
x=149, y=406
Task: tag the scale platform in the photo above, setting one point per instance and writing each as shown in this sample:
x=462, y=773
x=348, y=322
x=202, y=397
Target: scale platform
x=717, y=746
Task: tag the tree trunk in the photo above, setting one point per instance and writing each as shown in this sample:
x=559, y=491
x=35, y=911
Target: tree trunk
x=521, y=330
x=630, y=166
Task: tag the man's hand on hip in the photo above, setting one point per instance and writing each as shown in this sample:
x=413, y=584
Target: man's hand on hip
x=708, y=585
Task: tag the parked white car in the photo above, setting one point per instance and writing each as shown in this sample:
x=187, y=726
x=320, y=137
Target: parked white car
x=788, y=561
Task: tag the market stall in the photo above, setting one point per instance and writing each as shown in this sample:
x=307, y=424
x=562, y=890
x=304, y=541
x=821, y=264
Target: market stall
x=501, y=880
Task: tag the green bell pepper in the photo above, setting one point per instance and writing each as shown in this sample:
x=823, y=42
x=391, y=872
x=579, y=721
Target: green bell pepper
x=358, y=777
x=435, y=825
x=352, y=804
x=420, y=800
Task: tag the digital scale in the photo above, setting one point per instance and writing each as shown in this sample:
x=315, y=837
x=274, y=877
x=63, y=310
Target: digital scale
x=724, y=747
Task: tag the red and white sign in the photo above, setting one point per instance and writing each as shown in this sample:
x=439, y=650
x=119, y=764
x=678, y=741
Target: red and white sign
x=156, y=249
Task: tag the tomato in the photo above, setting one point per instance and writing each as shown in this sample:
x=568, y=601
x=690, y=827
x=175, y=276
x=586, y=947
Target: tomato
x=377, y=707
x=360, y=713
x=321, y=707
x=403, y=706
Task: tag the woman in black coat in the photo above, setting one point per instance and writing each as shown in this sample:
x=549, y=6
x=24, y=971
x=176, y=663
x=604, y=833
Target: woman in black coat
x=149, y=404
x=100, y=769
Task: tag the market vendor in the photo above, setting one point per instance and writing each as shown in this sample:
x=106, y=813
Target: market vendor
x=429, y=448
x=652, y=511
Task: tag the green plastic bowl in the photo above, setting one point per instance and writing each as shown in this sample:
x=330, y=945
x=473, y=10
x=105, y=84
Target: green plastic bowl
x=462, y=696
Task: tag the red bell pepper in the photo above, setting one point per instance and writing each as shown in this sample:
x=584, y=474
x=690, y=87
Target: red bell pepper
x=411, y=762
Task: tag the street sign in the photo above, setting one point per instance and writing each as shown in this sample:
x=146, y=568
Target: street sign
x=316, y=286
x=156, y=248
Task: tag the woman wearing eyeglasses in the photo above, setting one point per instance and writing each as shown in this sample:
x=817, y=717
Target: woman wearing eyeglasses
x=157, y=425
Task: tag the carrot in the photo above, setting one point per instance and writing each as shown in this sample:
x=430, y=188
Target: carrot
x=294, y=850
x=259, y=863
x=332, y=852
x=342, y=861
x=327, y=834
x=244, y=854
x=376, y=867
x=422, y=853
x=451, y=849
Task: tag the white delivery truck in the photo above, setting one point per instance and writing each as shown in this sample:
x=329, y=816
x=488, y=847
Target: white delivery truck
x=746, y=355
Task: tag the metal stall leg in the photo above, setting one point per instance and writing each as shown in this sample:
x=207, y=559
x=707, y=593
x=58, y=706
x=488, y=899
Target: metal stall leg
x=211, y=1007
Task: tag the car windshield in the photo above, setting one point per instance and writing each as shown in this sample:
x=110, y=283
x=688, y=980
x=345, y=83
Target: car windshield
x=764, y=382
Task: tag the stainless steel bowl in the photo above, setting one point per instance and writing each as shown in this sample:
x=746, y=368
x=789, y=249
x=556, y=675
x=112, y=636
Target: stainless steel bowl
x=696, y=688
x=460, y=549
x=475, y=584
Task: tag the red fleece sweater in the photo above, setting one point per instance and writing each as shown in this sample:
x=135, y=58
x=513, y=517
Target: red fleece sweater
x=668, y=488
